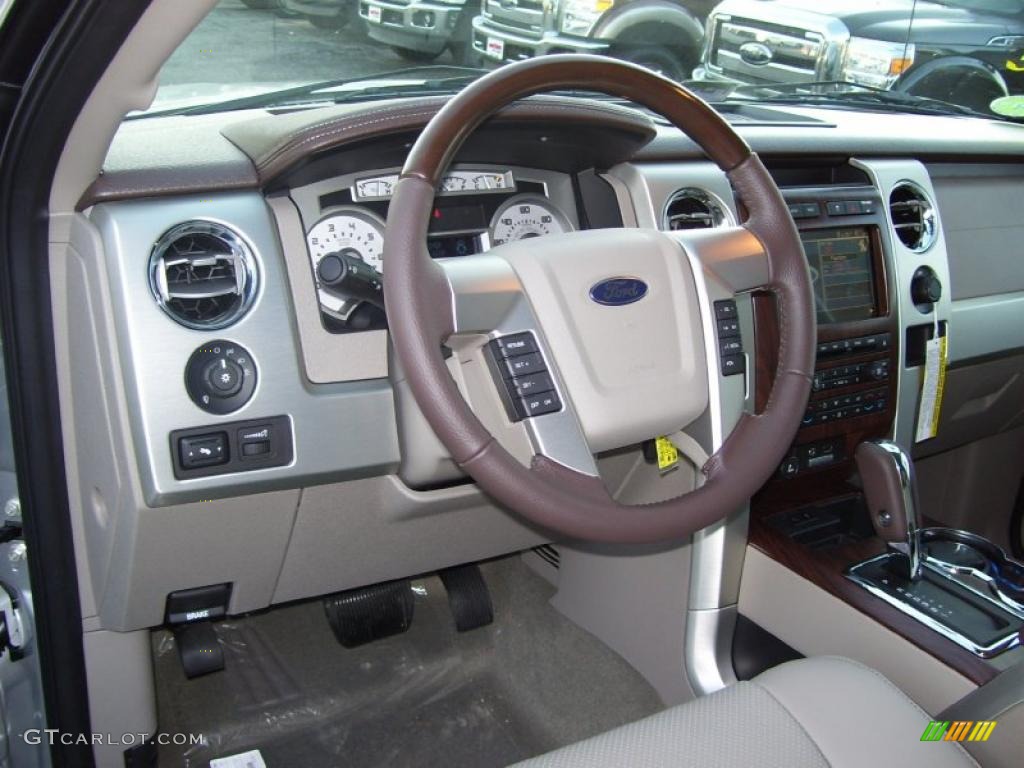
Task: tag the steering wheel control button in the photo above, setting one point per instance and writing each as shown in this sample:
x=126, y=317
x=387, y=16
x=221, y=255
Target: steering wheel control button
x=725, y=310
x=538, y=405
x=525, y=387
x=730, y=343
x=220, y=376
x=525, y=364
x=238, y=446
x=516, y=344
x=733, y=364
x=728, y=328
x=730, y=346
x=203, y=450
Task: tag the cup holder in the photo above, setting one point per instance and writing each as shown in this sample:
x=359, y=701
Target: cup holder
x=967, y=555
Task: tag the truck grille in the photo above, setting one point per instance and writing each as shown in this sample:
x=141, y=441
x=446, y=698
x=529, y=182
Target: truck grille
x=526, y=15
x=797, y=55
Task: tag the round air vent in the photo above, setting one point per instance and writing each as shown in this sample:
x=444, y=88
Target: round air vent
x=694, y=209
x=913, y=216
x=203, y=275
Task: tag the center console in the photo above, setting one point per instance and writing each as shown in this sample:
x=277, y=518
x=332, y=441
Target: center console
x=853, y=394
x=814, y=517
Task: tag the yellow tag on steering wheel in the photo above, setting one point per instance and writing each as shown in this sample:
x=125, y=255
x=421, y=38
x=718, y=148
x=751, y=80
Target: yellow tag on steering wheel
x=668, y=455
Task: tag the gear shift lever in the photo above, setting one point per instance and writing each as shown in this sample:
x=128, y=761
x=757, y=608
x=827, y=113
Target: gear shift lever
x=891, y=491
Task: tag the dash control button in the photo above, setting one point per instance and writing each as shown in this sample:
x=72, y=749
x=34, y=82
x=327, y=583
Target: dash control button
x=255, y=441
x=203, y=450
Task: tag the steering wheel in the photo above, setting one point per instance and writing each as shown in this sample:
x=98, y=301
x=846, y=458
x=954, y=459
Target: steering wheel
x=623, y=372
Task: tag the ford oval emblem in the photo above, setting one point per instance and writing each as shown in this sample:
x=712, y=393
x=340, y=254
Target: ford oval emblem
x=617, y=291
x=756, y=54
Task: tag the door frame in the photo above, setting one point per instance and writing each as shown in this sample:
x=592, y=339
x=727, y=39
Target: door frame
x=55, y=53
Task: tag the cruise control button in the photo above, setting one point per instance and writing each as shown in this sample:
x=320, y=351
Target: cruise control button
x=538, y=405
x=524, y=364
x=516, y=344
x=533, y=384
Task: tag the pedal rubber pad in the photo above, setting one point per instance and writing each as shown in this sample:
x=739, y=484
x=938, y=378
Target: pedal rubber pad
x=360, y=616
x=198, y=648
x=468, y=596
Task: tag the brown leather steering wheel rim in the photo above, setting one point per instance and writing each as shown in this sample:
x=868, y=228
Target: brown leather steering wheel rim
x=420, y=315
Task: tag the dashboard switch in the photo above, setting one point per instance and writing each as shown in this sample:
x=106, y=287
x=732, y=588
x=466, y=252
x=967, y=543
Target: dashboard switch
x=220, y=376
x=203, y=450
x=240, y=446
x=256, y=448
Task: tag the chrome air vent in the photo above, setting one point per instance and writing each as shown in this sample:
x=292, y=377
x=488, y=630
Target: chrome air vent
x=694, y=208
x=203, y=275
x=913, y=216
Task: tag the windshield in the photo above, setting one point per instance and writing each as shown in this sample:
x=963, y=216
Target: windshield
x=957, y=56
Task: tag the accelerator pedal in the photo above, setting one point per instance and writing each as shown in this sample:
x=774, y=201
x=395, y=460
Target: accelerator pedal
x=468, y=596
x=360, y=616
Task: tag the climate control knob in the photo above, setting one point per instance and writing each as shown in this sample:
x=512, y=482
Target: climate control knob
x=220, y=376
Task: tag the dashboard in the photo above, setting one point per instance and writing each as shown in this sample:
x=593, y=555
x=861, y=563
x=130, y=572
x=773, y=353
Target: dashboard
x=272, y=440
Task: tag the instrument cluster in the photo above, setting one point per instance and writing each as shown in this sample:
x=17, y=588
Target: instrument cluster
x=474, y=211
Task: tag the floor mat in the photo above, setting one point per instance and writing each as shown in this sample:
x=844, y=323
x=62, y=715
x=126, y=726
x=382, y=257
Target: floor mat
x=530, y=682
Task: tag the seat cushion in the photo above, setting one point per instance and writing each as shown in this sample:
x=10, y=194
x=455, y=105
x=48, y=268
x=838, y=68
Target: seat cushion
x=823, y=711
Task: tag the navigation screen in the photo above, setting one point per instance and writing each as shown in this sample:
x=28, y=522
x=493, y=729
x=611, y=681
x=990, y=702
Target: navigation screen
x=841, y=268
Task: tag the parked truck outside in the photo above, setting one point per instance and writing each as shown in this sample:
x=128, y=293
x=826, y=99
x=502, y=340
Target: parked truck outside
x=966, y=52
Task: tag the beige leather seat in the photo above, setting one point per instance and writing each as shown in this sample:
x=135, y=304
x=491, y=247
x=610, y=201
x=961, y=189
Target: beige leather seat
x=824, y=711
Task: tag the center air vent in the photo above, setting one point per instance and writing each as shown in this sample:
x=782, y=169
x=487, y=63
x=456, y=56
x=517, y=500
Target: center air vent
x=694, y=209
x=913, y=216
x=203, y=275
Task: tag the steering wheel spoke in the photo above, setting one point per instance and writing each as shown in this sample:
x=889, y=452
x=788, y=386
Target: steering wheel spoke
x=735, y=255
x=494, y=325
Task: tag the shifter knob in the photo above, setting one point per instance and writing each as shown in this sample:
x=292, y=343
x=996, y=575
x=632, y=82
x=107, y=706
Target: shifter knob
x=888, y=476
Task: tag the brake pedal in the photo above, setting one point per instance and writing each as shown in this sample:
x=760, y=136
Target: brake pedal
x=360, y=616
x=468, y=597
x=198, y=648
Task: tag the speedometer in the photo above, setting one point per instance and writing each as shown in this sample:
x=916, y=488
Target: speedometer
x=352, y=231
x=527, y=216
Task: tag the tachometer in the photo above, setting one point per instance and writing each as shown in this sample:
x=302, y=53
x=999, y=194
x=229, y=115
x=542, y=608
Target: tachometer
x=527, y=216
x=347, y=230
